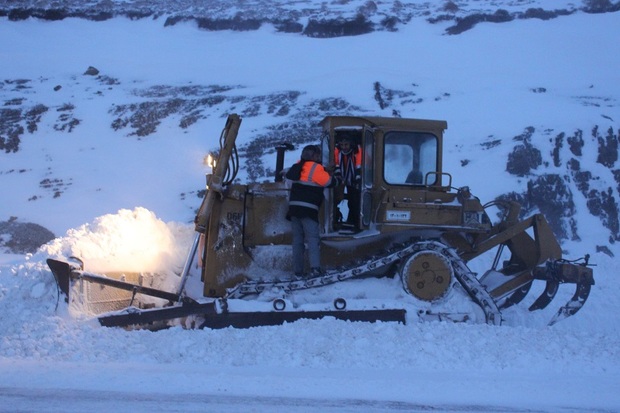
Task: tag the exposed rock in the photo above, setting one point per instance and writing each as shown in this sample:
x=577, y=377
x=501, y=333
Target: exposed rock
x=338, y=27
x=539, y=13
x=238, y=23
x=603, y=204
x=524, y=157
x=23, y=237
x=321, y=21
x=66, y=121
x=450, y=7
x=601, y=200
x=33, y=116
x=558, y=144
x=468, y=22
x=108, y=81
x=91, y=71
x=582, y=178
x=14, y=122
x=387, y=97
x=492, y=143
x=600, y=6
x=539, y=90
x=55, y=186
x=550, y=195
x=607, y=147
x=288, y=26
x=10, y=129
x=576, y=143
x=605, y=250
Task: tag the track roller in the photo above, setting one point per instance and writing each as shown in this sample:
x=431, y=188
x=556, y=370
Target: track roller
x=279, y=304
x=340, y=304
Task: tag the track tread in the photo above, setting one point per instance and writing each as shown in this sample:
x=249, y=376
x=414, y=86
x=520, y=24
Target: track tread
x=467, y=279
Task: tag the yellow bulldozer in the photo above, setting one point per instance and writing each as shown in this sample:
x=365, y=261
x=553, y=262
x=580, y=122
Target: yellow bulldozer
x=413, y=230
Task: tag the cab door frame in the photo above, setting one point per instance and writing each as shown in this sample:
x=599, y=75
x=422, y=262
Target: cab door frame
x=368, y=176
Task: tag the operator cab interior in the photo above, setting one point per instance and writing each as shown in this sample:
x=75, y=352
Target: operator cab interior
x=410, y=158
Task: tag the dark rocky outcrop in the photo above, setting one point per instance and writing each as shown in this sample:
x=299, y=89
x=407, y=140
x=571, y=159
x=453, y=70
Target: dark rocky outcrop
x=607, y=147
x=338, y=27
x=314, y=19
x=14, y=122
x=550, y=195
x=524, y=157
x=601, y=199
x=22, y=237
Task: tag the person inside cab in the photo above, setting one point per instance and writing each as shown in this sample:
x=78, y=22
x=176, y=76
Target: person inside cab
x=348, y=166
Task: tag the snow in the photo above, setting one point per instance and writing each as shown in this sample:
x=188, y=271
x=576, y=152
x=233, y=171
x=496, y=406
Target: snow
x=122, y=211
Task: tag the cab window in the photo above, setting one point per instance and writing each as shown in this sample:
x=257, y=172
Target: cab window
x=408, y=157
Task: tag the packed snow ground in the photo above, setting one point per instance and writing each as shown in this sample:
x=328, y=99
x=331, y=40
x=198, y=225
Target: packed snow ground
x=123, y=210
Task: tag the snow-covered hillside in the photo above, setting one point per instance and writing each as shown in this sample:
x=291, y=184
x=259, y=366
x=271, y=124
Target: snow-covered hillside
x=104, y=127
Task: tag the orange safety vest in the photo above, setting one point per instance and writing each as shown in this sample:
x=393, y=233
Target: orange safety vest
x=349, y=165
x=307, y=191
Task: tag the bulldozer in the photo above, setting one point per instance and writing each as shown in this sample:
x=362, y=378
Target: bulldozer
x=404, y=256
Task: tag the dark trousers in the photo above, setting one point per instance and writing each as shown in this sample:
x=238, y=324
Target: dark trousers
x=352, y=196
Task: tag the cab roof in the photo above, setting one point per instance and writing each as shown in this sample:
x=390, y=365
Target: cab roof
x=333, y=122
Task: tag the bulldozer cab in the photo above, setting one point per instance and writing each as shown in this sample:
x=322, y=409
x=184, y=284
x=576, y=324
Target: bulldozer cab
x=400, y=191
x=398, y=156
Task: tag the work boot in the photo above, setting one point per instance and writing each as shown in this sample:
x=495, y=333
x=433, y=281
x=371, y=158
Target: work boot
x=315, y=272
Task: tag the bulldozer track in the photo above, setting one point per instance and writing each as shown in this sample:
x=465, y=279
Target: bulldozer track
x=462, y=273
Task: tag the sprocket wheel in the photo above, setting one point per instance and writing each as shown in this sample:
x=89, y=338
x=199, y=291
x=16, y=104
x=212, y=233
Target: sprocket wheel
x=427, y=275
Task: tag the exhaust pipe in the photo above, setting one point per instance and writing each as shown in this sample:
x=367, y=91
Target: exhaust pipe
x=280, y=149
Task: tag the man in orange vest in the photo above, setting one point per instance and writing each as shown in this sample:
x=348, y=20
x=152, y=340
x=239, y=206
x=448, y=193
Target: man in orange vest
x=309, y=179
x=348, y=161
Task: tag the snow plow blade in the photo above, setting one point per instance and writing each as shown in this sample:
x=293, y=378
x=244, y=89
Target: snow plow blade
x=214, y=320
x=213, y=314
x=247, y=320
